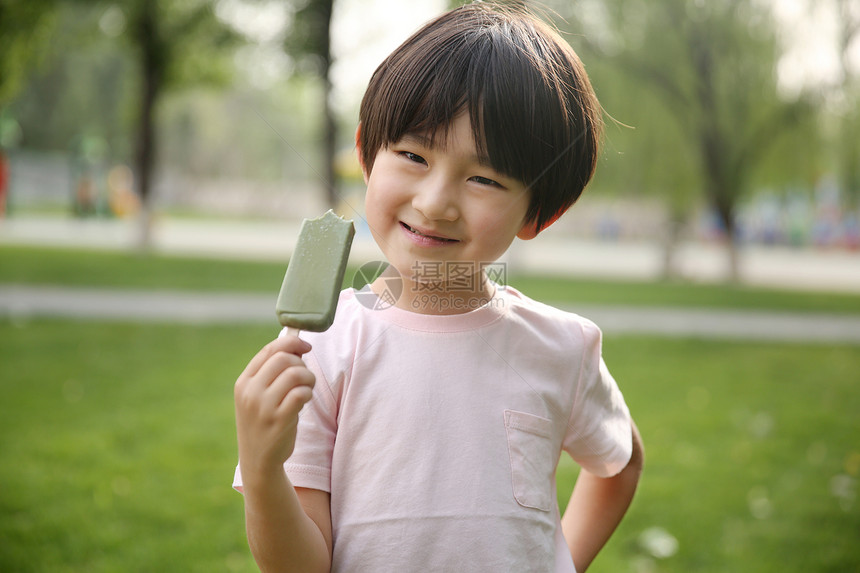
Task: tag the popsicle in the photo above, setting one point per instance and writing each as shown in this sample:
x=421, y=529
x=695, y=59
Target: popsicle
x=314, y=276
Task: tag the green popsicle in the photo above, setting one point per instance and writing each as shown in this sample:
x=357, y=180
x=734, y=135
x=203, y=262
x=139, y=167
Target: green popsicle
x=314, y=276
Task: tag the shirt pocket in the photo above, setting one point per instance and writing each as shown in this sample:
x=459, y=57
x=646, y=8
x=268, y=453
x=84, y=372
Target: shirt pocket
x=532, y=460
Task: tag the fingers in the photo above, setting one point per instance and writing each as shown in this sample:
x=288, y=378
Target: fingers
x=290, y=390
x=295, y=398
x=273, y=367
x=274, y=373
x=289, y=344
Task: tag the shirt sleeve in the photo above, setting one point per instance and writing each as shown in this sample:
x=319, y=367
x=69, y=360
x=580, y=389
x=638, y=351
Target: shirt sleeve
x=599, y=433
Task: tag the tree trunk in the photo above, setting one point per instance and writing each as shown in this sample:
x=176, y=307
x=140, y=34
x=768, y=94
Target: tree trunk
x=151, y=63
x=671, y=240
x=330, y=146
x=724, y=207
x=329, y=121
x=720, y=188
x=850, y=158
x=715, y=151
x=145, y=161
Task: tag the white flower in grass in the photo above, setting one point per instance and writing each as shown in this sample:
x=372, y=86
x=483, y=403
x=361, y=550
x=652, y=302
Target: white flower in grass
x=658, y=542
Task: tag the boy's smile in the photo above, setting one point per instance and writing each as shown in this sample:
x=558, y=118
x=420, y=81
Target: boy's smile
x=426, y=238
x=431, y=203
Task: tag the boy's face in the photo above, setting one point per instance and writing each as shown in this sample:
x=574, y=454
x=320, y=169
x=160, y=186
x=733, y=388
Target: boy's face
x=428, y=204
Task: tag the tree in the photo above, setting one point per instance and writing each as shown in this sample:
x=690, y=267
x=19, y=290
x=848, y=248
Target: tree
x=25, y=28
x=177, y=43
x=24, y=32
x=849, y=88
x=309, y=41
x=712, y=64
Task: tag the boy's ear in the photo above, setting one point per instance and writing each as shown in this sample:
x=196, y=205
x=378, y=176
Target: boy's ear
x=530, y=230
x=358, y=151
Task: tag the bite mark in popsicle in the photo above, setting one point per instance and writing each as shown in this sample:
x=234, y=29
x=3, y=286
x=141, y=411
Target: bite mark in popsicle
x=314, y=276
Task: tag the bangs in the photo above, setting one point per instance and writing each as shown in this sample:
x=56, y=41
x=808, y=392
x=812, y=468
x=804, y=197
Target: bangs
x=518, y=87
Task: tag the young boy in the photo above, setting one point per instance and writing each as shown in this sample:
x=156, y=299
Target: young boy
x=433, y=424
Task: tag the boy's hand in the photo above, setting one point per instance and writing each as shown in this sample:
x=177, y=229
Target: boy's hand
x=269, y=394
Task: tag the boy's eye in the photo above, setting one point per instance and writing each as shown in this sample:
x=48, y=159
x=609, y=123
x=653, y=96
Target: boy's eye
x=485, y=181
x=413, y=157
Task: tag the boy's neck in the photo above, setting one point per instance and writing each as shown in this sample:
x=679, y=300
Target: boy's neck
x=438, y=297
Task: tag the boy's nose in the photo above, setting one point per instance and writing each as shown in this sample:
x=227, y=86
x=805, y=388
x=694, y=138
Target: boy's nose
x=435, y=198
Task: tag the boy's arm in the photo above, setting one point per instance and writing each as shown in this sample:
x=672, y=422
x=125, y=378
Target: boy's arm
x=597, y=505
x=288, y=529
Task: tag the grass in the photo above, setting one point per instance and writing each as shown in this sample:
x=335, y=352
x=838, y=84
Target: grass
x=684, y=294
x=752, y=455
x=120, y=269
x=118, y=451
x=118, y=447
x=30, y=265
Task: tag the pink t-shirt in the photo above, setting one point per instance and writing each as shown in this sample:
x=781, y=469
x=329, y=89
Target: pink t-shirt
x=438, y=436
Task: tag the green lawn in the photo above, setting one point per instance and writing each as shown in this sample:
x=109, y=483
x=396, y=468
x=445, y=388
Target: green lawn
x=118, y=451
x=26, y=265
x=752, y=451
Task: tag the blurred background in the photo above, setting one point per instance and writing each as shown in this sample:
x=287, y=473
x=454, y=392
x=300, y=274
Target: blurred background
x=730, y=124
x=157, y=156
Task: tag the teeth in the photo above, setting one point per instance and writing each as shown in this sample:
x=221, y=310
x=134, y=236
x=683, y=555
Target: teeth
x=417, y=232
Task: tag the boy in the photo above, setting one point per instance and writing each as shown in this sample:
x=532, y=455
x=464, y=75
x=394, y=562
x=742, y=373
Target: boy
x=432, y=428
